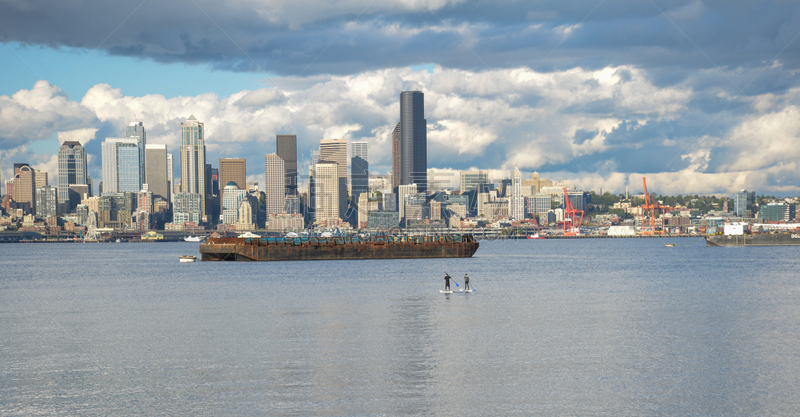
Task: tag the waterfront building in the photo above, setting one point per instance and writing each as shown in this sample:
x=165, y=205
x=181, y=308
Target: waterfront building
x=580, y=200
x=232, y=197
x=516, y=208
x=471, y=179
x=335, y=150
x=157, y=175
x=326, y=191
x=187, y=208
x=24, y=188
x=275, y=184
x=121, y=165
x=416, y=206
x=282, y=223
x=136, y=131
x=413, y=140
x=46, y=202
x=777, y=212
x=193, y=160
x=539, y=204
x=286, y=149
x=436, y=210
x=457, y=210
x=383, y=219
x=397, y=151
x=232, y=169
x=72, y=167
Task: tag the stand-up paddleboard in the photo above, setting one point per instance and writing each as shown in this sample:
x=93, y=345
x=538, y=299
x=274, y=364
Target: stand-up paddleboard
x=445, y=291
x=467, y=290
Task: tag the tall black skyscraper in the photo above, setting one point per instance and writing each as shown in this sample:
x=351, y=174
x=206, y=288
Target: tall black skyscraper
x=413, y=140
x=287, y=150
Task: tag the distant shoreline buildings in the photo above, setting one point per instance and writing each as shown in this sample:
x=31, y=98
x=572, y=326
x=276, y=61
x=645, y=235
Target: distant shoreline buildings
x=138, y=190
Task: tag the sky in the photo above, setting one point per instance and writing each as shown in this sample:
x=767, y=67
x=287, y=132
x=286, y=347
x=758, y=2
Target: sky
x=699, y=96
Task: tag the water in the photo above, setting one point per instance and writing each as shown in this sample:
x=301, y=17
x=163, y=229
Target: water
x=556, y=327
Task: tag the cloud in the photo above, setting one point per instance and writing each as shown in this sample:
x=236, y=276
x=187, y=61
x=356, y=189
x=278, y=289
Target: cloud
x=604, y=127
x=310, y=37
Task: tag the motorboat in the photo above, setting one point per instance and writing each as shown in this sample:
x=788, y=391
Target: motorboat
x=248, y=234
x=188, y=258
x=192, y=239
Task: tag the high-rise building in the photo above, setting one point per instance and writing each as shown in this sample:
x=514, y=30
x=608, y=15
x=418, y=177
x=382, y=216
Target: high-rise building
x=359, y=172
x=25, y=187
x=46, y=202
x=335, y=150
x=287, y=150
x=231, y=169
x=516, y=207
x=402, y=192
x=40, y=179
x=136, y=131
x=72, y=167
x=232, y=196
x=397, y=150
x=471, y=179
x=326, y=190
x=187, y=208
x=121, y=165
x=157, y=175
x=413, y=140
x=171, y=177
x=742, y=201
x=274, y=183
x=193, y=160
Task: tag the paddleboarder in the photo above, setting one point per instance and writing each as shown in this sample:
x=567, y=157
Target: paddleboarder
x=446, y=281
x=466, y=282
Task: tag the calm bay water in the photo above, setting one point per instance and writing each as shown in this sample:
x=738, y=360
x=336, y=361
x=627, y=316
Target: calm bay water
x=556, y=327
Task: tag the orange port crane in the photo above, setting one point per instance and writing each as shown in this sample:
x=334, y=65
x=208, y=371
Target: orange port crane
x=650, y=209
x=572, y=216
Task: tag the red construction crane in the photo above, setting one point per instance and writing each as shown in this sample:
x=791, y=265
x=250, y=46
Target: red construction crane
x=572, y=216
x=650, y=211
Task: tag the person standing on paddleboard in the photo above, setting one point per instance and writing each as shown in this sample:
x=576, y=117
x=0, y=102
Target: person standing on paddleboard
x=466, y=282
x=446, y=281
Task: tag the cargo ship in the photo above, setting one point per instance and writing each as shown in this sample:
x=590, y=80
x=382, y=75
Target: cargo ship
x=755, y=239
x=330, y=248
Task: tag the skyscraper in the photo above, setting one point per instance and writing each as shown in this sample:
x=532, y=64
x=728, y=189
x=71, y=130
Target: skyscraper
x=121, y=165
x=231, y=169
x=157, y=181
x=193, y=160
x=274, y=183
x=24, y=190
x=397, y=150
x=517, y=202
x=170, y=177
x=136, y=131
x=72, y=167
x=335, y=150
x=326, y=190
x=359, y=170
x=413, y=140
x=287, y=150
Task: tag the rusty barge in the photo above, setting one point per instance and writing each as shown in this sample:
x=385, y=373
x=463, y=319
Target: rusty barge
x=330, y=248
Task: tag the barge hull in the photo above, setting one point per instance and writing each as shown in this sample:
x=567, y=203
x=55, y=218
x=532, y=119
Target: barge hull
x=233, y=249
x=763, y=239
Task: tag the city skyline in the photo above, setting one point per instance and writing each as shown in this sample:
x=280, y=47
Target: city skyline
x=689, y=93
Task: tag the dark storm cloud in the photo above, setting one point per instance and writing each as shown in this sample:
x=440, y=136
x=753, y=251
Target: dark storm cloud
x=286, y=37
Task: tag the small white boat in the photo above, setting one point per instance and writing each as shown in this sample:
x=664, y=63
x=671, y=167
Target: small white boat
x=188, y=258
x=192, y=239
x=248, y=234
